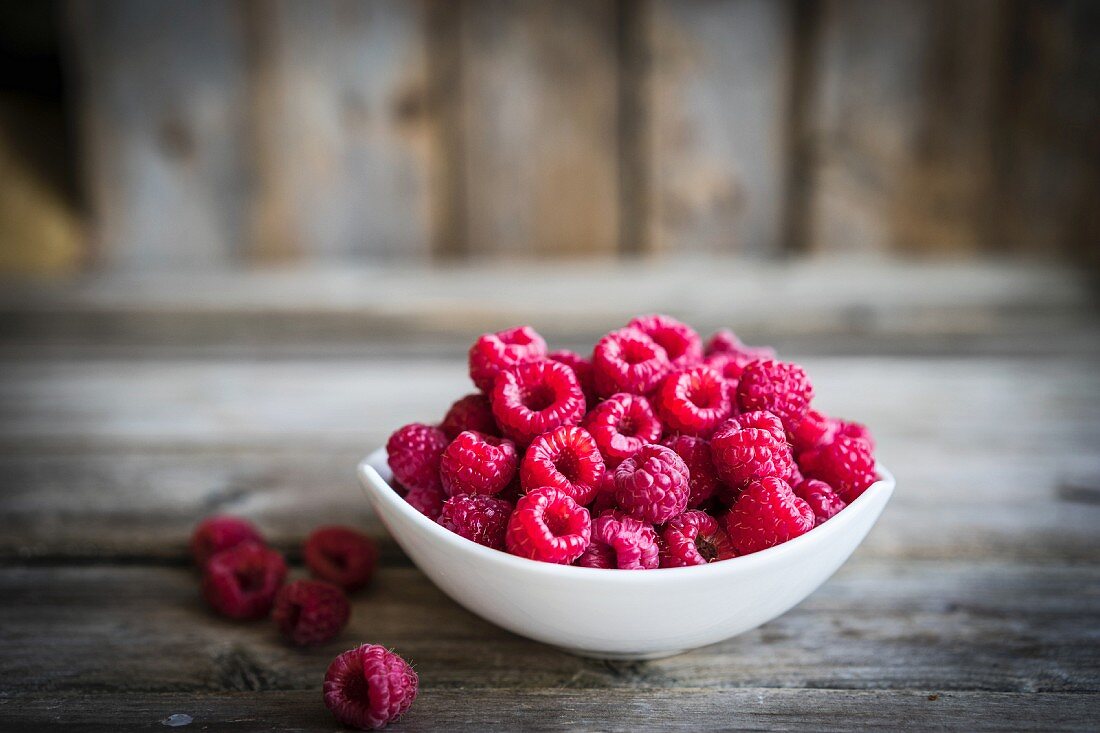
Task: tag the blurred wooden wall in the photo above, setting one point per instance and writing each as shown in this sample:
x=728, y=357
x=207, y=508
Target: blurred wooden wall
x=217, y=133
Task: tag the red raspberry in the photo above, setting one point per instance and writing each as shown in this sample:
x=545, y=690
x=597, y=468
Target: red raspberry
x=534, y=398
x=494, y=352
x=472, y=412
x=342, y=556
x=218, y=533
x=548, y=525
x=581, y=367
x=822, y=499
x=241, y=582
x=693, y=401
x=310, y=612
x=428, y=501
x=605, y=497
x=479, y=518
x=779, y=387
x=694, y=538
x=703, y=481
x=767, y=513
x=846, y=464
x=814, y=430
x=414, y=451
x=567, y=459
x=621, y=425
x=652, y=485
x=725, y=341
x=750, y=447
x=680, y=341
x=369, y=687
x=628, y=361
x=621, y=542
x=477, y=464
x=730, y=367
x=854, y=430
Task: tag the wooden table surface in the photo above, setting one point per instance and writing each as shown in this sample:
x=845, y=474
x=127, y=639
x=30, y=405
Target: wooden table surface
x=128, y=412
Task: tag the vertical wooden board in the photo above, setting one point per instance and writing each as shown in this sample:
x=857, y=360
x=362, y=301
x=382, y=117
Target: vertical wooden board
x=162, y=95
x=719, y=90
x=540, y=120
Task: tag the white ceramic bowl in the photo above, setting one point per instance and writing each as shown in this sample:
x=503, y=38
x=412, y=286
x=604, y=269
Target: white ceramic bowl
x=623, y=614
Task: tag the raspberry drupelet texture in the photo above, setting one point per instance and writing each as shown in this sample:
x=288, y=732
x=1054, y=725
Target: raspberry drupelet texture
x=309, y=612
x=767, y=513
x=694, y=538
x=652, y=485
x=605, y=497
x=621, y=425
x=548, y=525
x=679, y=340
x=477, y=464
x=218, y=533
x=428, y=502
x=581, y=367
x=725, y=341
x=472, y=412
x=478, y=518
x=854, y=430
x=628, y=361
x=729, y=366
x=342, y=556
x=241, y=582
x=621, y=542
x=369, y=687
x=750, y=447
x=781, y=388
x=824, y=502
x=534, y=398
x=815, y=429
x=693, y=401
x=494, y=352
x=846, y=464
x=414, y=451
x=703, y=481
x=567, y=459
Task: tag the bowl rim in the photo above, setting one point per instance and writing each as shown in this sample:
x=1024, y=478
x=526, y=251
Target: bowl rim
x=820, y=534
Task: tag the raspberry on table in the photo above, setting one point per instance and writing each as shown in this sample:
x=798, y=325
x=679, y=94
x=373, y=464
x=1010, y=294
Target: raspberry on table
x=472, y=412
x=477, y=464
x=342, y=556
x=652, y=485
x=478, y=518
x=427, y=501
x=621, y=542
x=781, y=388
x=581, y=367
x=750, y=447
x=703, y=477
x=693, y=401
x=494, y=352
x=767, y=513
x=534, y=398
x=413, y=453
x=628, y=361
x=310, y=612
x=566, y=458
x=241, y=582
x=621, y=425
x=369, y=687
x=824, y=502
x=846, y=464
x=694, y=538
x=548, y=525
x=217, y=533
x=679, y=340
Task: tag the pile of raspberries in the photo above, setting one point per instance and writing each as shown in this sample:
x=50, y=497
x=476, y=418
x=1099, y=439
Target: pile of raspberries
x=654, y=452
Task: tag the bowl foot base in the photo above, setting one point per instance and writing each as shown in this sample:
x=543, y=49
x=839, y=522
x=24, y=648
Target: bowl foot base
x=625, y=656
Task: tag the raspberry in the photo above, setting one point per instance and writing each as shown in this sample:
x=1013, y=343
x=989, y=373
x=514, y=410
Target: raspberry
x=621, y=542
x=241, y=582
x=767, y=513
x=725, y=341
x=693, y=401
x=605, y=497
x=581, y=367
x=729, y=366
x=471, y=412
x=567, y=459
x=703, y=478
x=814, y=430
x=628, y=361
x=548, y=525
x=428, y=501
x=534, y=398
x=680, y=341
x=750, y=447
x=477, y=464
x=621, y=425
x=694, y=538
x=309, y=612
x=846, y=464
x=342, y=556
x=218, y=533
x=854, y=430
x=492, y=353
x=652, y=485
x=414, y=452
x=822, y=499
x=368, y=687
x=778, y=387
x=479, y=518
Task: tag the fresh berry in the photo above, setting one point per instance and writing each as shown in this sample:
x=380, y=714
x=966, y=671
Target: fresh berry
x=241, y=582
x=369, y=687
x=605, y=497
x=581, y=367
x=621, y=425
x=824, y=502
x=781, y=388
x=218, y=533
x=814, y=430
x=342, y=556
x=309, y=612
x=766, y=514
x=750, y=447
x=725, y=341
x=628, y=361
x=495, y=352
x=567, y=459
x=729, y=366
x=652, y=485
x=428, y=501
x=534, y=398
x=846, y=464
x=414, y=452
x=854, y=430
x=621, y=542
x=477, y=464
x=472, y=412
x=693, y=401
x=479, y=518
x=548, y=525
x=696, y=453
x=694, y=538
x=680, y=341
